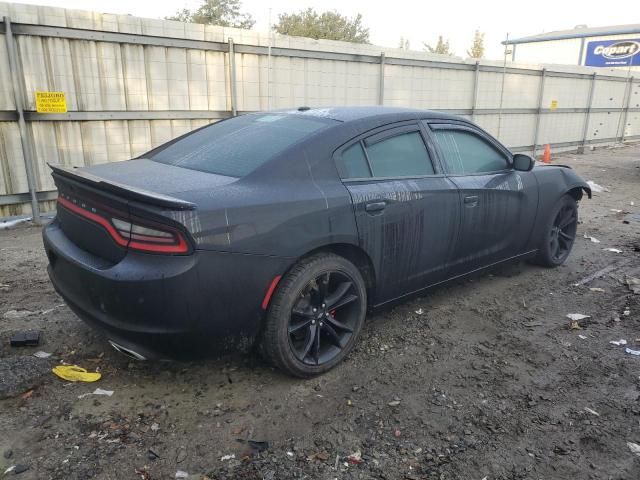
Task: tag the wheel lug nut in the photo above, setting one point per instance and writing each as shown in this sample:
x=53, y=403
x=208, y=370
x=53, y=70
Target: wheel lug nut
x=321, y=323
x=315, y=310
x=323, y=305
x=313, y=322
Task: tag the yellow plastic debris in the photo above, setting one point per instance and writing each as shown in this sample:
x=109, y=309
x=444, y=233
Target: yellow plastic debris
x=74, y=373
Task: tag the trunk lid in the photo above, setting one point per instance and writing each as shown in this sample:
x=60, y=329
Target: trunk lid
x=93, y=202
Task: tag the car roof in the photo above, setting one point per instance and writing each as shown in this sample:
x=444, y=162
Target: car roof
x=349, y=114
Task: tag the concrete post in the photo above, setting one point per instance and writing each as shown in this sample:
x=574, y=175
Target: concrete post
x=587, y=117
x=25, y=139
x=476, y=83
x=539, y=113
x=232, y=78
x=626, y=109
x=381, y=84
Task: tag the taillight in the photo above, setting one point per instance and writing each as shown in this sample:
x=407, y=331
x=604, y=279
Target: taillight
x=137, y=236
x=150, y=239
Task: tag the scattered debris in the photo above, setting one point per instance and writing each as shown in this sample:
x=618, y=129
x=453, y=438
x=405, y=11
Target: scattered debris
x=6, y=224
x=592, y=412
x=49, y=310
x=583, y=337
x=17, y=314
x=574, y=325
x=230, y=457
x=322, y=456
x=615, y=210
x=74, y=373
x=577, y=316
x=597, y=289
x=397, y=433
x=21, y=469
x=155, y=427
x=614, y=250
x=617, y=343
x=41, y=354
x=419, y=311
x=633, y=283
x=634, y=447
x=153, y=454
x=632, y=352
x=394, y=403
x=355, y=458
x=182, y=474
x=596, y=188
x=97, y=391
x=593, y=239
x=25, y=339
x=258, y=446
x=144, y=475
x=626, y=312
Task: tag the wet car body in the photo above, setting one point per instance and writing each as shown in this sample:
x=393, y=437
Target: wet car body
x=237, y=236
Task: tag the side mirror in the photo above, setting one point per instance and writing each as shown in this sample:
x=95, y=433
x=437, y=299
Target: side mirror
x=523, y=163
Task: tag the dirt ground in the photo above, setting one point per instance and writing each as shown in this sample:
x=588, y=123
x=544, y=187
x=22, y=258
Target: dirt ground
x=480, y=379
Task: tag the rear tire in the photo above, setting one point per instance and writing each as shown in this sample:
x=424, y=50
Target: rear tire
x=559, y=233
x=315, y=316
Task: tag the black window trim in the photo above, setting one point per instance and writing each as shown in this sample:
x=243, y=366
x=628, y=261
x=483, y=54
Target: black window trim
x=382, y=133
x=456, y=125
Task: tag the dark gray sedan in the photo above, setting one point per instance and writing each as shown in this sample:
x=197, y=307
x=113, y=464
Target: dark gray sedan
x=281, y=229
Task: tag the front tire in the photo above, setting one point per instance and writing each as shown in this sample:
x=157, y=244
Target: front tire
x=315, y=316
x=559, y=233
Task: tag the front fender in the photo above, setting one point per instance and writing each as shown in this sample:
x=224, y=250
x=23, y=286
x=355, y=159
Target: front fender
x=554, y=181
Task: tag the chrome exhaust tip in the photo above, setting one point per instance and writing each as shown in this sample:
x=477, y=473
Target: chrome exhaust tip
x=127, y=351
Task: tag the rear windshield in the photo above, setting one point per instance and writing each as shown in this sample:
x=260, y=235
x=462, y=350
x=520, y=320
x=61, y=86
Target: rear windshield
x=237, y=146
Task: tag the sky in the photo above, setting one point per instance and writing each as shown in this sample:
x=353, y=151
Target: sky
x=417, y=21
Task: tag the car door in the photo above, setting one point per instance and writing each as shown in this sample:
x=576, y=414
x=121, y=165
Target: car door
x=407, y=211
x=498, y=204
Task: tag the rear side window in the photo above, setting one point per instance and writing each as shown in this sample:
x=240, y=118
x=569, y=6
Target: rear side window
x=467, y=153
x=237, y=146
x=354, y=162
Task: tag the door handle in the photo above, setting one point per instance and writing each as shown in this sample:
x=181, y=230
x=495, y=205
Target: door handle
x=471, y=200
x=375, y=207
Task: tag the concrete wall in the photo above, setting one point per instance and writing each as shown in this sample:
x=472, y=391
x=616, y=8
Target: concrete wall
x=127, y=94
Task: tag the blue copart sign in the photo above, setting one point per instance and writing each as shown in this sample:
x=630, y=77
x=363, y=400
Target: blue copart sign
x=613, y=53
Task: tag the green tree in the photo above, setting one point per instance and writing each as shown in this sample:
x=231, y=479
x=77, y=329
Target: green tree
x=225, y=13
x=326, y=25
x=404, y=43
x=442, y=47
x=477, y=47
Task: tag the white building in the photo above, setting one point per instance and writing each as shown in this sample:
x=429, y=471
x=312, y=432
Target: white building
x=608, y=47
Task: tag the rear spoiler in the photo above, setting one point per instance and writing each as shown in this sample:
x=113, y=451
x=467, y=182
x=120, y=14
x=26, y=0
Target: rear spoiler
x=125, y=191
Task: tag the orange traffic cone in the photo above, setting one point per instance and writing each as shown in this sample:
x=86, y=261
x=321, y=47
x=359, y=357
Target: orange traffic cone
x=546, y=156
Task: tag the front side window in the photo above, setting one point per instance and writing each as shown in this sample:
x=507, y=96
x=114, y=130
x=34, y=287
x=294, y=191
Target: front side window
x=467, y=153
x=237, y=146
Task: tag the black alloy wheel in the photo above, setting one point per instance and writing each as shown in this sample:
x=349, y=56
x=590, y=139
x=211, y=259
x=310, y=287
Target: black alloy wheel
x=559, y=233
x=324, y=318
x=315, y=316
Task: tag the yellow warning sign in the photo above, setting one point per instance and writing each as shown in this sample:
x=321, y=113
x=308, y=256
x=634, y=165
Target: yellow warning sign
x=51, y=102
x=554, y=104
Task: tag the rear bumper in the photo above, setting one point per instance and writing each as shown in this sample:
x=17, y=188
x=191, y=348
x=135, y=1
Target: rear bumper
x=164, y=306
